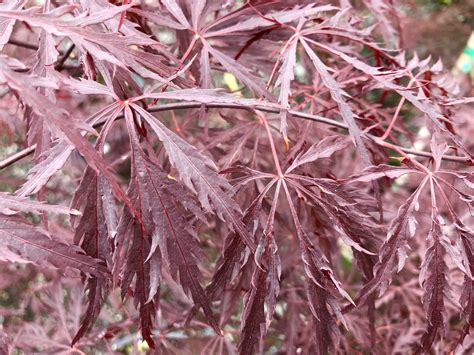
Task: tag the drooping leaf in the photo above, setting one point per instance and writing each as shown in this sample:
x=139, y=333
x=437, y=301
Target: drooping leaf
x=94, y=233
x=198, y=173
x=265, y=286
x=393, y=252
x=322, y=287
x=35, y=245
x=243, y=74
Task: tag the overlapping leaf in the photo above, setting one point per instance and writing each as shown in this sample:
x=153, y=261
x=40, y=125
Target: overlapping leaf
x=162, y=234
x=198, y=172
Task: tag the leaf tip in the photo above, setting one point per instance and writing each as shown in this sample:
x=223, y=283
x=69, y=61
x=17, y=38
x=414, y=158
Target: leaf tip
x=75, y=212
x=287, y=142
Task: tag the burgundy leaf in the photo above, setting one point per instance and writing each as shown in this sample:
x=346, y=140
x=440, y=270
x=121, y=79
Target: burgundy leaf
x=98, y=95
x=198, y=173
x=393, y=252
x=6, y=25
x=284, y=81
x=337, y=95
x=285, y=16
x=323, y=149
x=265, y=286
x=10, y=204
x=243, y=74
x=35, y=245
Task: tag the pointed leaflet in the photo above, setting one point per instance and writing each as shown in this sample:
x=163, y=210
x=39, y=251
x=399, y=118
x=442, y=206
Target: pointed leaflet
x=54, y=22
x=176, y=11
x=171, y=232
x=205, y=69
x=198, y=172
x=96, y=292
x=10, y=204
x=323, y=149
x=233, y=257
x=88, y=87
x=467, y=297
x=322, y=288
x=401, y=229
x=206, y=96
x=256, y=21
x=60, y=122
x=39, y=175
x=37, y=246
x=197, y=8
x=99, y=197
x=434, y=268
x=168, y=80
x=433, y=277
x=376, y=172
x=136, y=264
x=262, y=285
x=94, y=233
x=242, y=73
x=461, y=254
x=284, y=81
x=425, y=106
x=6, y=25
x=133, y=246
x=111, y=47
x=46, y=56
x=159, y=19
x=262, y=297
x=56, y=157
x=385, y=13
x=337, y=95
x=353, y=225
x=315, y=262
x=265, y=285
x=137, y=254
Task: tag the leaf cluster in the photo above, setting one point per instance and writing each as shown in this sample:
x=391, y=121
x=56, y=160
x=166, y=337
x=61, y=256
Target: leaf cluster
x=241, y=178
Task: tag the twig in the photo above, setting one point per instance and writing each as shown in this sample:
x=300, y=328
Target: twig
x=65, y=57
x=306, y=116
x=18, y=43
x=27, y=45
x=60, y=66
x=17, y=156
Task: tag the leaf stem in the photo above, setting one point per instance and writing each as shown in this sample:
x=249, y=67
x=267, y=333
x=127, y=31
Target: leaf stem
x=272, y=145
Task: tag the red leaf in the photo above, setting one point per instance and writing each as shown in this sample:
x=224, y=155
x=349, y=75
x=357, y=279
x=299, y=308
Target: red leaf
x=35, y=245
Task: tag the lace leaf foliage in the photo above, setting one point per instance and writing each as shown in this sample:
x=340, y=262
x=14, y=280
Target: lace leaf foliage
x=241, y=177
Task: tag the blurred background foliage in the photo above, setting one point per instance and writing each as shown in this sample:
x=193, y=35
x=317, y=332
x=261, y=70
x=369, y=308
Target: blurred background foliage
x=438, y=27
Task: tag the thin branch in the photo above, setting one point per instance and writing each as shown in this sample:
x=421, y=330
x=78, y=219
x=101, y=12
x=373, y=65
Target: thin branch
x=17, y=156
x=306, y=116
x=19, y=43
x=65, y=57
x=34, y=47
x=60, y=66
